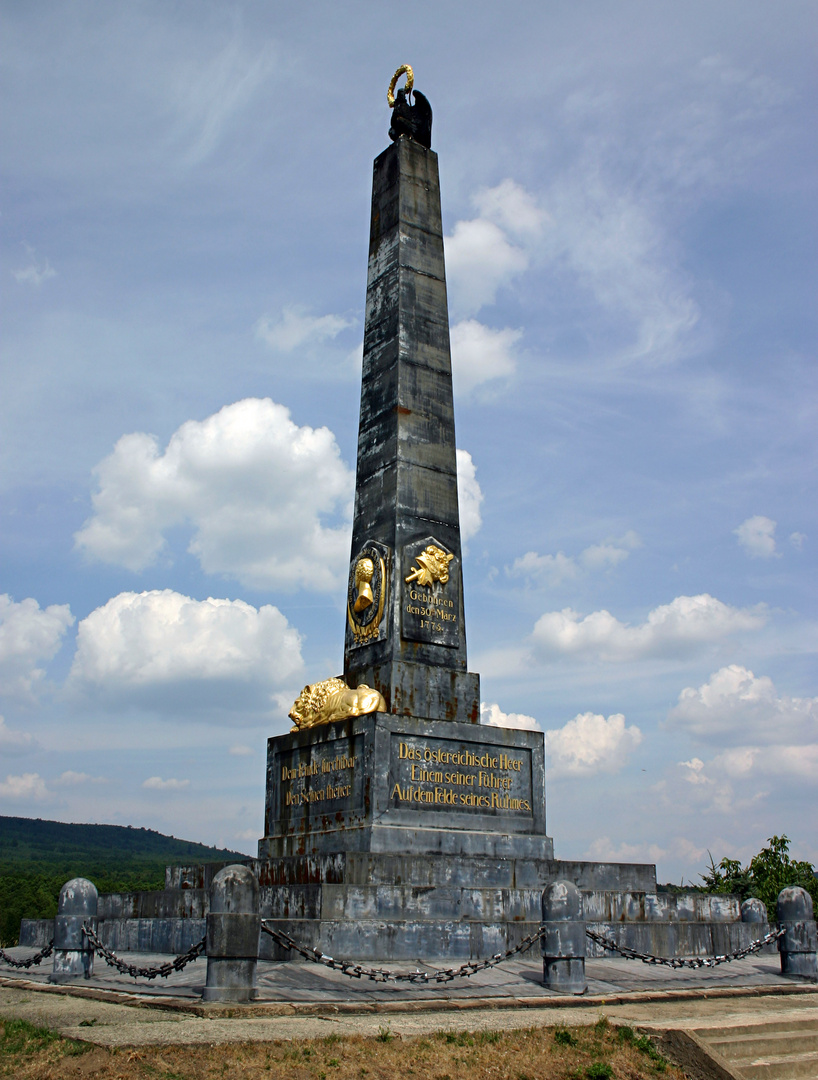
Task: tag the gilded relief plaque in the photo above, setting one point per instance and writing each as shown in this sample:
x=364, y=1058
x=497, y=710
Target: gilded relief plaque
x=366, y=593
x=430, y=605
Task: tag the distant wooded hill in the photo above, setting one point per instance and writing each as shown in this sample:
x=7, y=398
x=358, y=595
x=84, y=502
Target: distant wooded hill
x=37, y=858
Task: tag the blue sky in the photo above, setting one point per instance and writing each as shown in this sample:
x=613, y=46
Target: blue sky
x=629, y=208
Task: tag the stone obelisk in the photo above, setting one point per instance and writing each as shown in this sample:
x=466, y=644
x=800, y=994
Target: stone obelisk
x=391, y=762
x=405, y=628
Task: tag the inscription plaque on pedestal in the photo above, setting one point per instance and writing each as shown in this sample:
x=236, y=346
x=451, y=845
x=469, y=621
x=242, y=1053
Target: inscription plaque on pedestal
x=324, y=778
x=430, y=606
x=428, y=773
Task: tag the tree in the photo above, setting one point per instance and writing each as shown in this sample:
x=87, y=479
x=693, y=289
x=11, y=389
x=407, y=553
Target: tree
x=768, y=872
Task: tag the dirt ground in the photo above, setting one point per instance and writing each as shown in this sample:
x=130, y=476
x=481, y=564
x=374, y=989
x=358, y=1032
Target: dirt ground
x=596, y=1052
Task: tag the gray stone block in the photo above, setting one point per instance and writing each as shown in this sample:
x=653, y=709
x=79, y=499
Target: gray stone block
x=233, y=929
x=563, y=943
x=73, y=952
x=799, y=944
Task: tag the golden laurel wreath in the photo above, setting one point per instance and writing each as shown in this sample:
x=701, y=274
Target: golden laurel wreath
x=404, y=69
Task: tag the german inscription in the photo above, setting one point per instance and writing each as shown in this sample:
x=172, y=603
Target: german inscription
x=430, y=606
x=324, y=778
x=429, y=773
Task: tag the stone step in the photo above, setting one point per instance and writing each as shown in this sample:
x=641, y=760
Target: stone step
x=750, y=1045
x=373, y=868
x=784, y=1049
x=802, y=1066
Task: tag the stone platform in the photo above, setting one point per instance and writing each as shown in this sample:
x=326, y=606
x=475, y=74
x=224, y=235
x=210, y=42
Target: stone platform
x=360, y=906
x=392, y=838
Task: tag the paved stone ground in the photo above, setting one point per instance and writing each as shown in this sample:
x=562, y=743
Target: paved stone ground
x=304, y=1001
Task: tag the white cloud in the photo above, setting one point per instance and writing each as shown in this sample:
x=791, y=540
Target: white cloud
x=555, y=569
x=795, y=762
x=14, y=743
x=77, y=779
x=695, y=771
x=28, y=635
x=294, y=328
x=757, y=536
x=743, y=776
x=797, y=540
x=27, y=786
x=613, y=244
x=544, y=569
x=35, y=272
x=163, y=648
x=469, y=496
x=603, y=849
x=480, y=354
x=256, y=488
x=590, y=744
x=610, y=552
x=240, y=750
x=493, y=716
x=480, y=259
x=512, y=208
x=679, y=627
x=736, y=706
x=770, y=743
x=156, y=783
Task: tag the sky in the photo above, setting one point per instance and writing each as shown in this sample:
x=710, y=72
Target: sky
x=629, y=210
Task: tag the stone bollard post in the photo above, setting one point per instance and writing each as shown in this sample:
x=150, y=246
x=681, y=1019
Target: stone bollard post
x=754, y=911
x=233, y=927
x=563, y=944
x=799, y=945
x=73, y=952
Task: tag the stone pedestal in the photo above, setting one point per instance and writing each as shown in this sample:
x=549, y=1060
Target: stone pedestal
x=392, y=836
x=395, y=785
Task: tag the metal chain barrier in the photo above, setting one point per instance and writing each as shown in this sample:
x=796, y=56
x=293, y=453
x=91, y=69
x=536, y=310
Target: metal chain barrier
x=31, y=961
x=680, y=961
x=357, y=971
x=168, y=968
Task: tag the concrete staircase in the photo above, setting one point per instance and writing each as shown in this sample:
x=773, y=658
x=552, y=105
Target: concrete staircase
x=784, y=1049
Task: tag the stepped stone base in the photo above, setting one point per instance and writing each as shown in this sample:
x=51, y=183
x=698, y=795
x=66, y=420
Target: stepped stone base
x=366, y=906
x=393, y=838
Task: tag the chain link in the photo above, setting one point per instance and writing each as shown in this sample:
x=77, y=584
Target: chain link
x=357, y=971
x=37, y=958
x=680, y=961
x=444, y=975
x=163, y=970
x=383, y=975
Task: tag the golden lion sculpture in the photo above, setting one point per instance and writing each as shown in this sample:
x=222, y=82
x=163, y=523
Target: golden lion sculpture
x=332, y=699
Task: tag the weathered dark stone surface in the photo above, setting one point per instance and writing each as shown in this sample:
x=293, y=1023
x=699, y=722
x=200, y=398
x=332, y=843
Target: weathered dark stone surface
x=233, y=929
x=73, y=954
x=392, y=784
x=406, y=492
x=563, y=942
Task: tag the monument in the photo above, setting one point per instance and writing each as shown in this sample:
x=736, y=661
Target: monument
x=397, y=827
x=395, y=824
x=392, y=759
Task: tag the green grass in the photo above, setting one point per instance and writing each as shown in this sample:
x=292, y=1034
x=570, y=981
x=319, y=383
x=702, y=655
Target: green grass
x=19, y=1038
